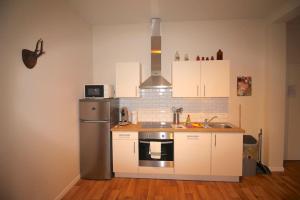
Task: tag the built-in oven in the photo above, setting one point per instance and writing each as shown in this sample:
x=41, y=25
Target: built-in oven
x=163, y=155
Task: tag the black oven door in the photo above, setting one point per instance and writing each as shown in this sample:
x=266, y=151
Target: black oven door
x=167, y=153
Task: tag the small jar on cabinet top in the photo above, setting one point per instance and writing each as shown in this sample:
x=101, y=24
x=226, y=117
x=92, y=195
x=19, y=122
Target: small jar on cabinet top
x=177, y=57
x=219, y=55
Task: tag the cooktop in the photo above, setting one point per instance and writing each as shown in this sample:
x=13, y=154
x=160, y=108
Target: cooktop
x=156, y=125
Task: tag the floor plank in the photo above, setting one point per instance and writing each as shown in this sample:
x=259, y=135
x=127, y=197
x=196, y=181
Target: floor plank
x=279, y=186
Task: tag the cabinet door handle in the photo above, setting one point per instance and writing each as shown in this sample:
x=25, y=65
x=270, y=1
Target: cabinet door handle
x=204, y=90
x=215, y=139
x=134, y=147
x=136, y=91
x=197, y=90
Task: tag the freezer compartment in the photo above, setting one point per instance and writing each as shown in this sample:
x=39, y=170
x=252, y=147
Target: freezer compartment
x=94, y=110
x=95, y=150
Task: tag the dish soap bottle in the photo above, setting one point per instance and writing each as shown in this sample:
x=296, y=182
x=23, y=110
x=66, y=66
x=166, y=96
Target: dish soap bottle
x=188, y=121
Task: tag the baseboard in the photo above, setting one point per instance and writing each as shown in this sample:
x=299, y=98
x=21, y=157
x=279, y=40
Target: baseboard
x=67, y=188
x=276, y=169
x=179, y=177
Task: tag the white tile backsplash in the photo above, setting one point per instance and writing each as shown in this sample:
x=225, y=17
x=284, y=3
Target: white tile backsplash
x=156, y=104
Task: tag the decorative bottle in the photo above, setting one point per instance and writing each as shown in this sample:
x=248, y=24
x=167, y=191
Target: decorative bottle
x=219, y=55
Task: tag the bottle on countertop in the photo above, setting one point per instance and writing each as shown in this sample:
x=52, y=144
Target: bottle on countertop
x=198, y=58
x=188, y=121
x=212, y=58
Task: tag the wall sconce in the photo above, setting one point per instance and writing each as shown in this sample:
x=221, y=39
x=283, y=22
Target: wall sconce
x=30, y=57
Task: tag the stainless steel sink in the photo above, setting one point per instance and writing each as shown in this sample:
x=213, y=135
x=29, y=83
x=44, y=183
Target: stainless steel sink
x=180, y=126
x=220, y=125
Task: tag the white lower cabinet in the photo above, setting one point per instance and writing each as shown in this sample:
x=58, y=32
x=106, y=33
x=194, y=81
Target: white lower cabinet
x=192, y=153
x=208, y=154
x=227, y=154
x=200, y=154
x=125, y=152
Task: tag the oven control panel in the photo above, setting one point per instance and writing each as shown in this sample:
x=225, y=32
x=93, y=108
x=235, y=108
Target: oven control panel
x=156, y=135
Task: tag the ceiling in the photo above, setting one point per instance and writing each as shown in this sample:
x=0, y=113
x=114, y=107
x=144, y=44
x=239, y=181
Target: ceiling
x=98, y=12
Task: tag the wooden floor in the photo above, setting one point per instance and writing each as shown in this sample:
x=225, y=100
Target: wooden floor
x=276, y=186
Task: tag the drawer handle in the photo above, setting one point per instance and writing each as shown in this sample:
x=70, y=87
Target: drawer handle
x=148, y=142
x=192, y=137
x=124, y=135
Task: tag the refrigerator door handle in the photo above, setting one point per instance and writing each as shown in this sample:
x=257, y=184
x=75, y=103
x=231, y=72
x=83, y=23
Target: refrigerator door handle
x=94, y=121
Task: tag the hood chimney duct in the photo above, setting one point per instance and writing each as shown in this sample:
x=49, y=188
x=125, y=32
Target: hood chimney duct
x=155, y=80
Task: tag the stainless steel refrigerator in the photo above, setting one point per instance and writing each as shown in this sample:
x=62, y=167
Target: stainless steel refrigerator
x=97, y=116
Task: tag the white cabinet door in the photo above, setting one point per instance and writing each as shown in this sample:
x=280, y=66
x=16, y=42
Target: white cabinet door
x=125, y=152
x=128, y=79
x=186, y=79
x=227, y=154
x=215, y=78
x=192, y=153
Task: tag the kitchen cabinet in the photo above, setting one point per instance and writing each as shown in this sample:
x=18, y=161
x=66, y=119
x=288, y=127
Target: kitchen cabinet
x=215, y=78
x=201, y=78
x=128, y=79
x=186, y=79
x=214, y=154
x=125, y=152
x=226, y=154
x=192, y=153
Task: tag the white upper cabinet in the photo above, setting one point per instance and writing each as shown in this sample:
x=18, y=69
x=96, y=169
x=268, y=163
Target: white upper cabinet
x=215, y=78
x=186, y=79
x=128, y=79
x=201, y=78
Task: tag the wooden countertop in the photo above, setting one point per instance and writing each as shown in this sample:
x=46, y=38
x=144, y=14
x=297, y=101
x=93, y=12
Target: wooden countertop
x=137, y=127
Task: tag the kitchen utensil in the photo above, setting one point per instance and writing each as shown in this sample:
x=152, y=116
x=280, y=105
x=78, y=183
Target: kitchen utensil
x=178, y=111
x=134, y=117
x=260, y=167
x=124, y=116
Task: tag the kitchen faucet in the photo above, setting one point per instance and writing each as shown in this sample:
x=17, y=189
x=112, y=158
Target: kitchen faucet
x=206, y=121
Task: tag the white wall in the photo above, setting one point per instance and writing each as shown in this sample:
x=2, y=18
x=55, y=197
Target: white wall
x=293, y=99
x=39, y=107
x=122, y=43
x=242, y=41
x=275, y=94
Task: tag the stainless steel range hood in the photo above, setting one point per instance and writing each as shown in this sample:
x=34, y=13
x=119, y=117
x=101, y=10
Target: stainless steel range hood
x=155, y=80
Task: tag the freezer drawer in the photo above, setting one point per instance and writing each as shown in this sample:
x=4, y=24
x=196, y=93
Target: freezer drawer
x=94, y=110
x=95, y=150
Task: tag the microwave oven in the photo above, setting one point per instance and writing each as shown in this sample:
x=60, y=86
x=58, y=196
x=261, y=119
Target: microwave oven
x=98, y=91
